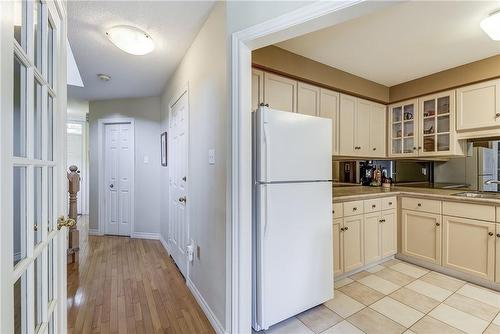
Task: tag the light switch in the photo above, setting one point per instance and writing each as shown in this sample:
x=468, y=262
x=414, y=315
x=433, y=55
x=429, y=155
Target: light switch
x=211, y=156
x=146, y=159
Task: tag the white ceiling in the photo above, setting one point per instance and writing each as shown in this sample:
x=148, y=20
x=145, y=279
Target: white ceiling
x=171, y=24
x=402, y=42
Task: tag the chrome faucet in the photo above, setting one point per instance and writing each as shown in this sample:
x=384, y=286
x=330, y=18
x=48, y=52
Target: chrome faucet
x=491, y=182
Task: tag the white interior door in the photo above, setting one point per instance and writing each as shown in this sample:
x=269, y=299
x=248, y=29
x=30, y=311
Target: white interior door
x=178, y=234
x=118, y=177
x=33, y=181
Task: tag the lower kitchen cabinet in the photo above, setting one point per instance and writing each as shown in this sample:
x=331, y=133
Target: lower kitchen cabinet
x=352, y=235
x=388, y=233
x=338, y=247
x=421, y=235
x=497, y=257
x=372, y=238
x=469, y=246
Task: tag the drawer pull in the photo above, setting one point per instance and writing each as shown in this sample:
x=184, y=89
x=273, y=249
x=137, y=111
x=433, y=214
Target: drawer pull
x=390, y=203
x=382, y=221
x=498, y=235
x=354, y=209
x=419, y=204
x=438, y=224
x=373, y=206
x=346, y=228
x=490, y=234
x=497, y=114
x=333, y=211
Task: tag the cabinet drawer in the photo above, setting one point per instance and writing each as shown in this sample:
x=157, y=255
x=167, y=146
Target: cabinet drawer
x=353, y=208
x=372, y=205
x=389, y=203
x=420, y=204
x=338, y=210
x=467, y=210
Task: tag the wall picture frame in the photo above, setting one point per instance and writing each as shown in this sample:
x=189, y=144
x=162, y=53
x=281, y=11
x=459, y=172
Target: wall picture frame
x=164, y=149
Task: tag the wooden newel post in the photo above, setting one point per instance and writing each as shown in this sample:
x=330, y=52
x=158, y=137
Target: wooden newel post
x=74, y=235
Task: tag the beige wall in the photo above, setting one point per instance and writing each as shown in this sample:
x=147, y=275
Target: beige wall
x=203, y=69
x=298, y=66
x=458, y=76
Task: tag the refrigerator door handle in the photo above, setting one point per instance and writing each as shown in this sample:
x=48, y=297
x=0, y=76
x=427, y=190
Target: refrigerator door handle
x=267, y=140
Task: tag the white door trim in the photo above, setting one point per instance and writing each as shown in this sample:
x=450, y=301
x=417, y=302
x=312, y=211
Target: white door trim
x=173, y=101
x=308, y=18
x=101, y=189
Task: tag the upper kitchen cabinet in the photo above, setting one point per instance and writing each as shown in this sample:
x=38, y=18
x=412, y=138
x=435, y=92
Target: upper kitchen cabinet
x=478, y=107
x=329, y=108
x=257, y=88
x=437, y=124
x=362, y=127
x=308, y=99
x=403, y=129
x=280, y=93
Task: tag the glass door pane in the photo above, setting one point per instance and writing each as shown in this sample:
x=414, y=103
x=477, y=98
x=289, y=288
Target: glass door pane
x=37, y=192
x=19, y=214
x=21, y=305
x=20, y=17
x=20, y=119
x=50, y=128
x=37, y=34
x=38, y=301
x=37, y=121
x=50, y=54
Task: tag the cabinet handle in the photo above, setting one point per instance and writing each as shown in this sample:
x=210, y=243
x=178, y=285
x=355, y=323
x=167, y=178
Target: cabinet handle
x=346, y=228
x=414, y=148
x=420, y=147
x=419, y=204
x=373, y=206
x=333, y=211
x=354, y=209
x=390, y=203
x=342, y=229
x=374, y=148
x=490, y=234
x=498, y=235
x=497, y=114
x=437, y=224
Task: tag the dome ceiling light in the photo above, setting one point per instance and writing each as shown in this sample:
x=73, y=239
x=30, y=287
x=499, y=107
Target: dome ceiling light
x=131, y=40
x=491, y=25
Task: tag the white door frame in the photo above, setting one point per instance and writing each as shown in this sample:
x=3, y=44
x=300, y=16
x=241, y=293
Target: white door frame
x=311, y=17
x=177, y=96
x=100, y=169
x=84, y=168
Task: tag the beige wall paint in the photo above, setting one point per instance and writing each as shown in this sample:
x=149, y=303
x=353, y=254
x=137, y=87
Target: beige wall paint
x=298, y=66
x=458, y=76
x=203, y=69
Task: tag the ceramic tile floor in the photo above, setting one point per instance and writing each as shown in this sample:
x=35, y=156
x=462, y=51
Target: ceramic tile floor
x=398, y=297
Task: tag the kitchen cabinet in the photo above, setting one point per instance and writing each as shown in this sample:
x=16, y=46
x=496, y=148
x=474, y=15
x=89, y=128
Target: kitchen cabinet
x=437, y=124
x=352, y=234
x=257, y=88
x=421, y=235
x=469, y=246
x=403, y=129
x=308, y=99
x=280, y=92
x=362, y=127
x=497, y=256
x=388, y=233
x=338, y=247
x=329, y=108
x=478, y=106
x=372, y=237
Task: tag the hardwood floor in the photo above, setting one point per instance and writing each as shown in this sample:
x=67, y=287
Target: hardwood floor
x=125, y=285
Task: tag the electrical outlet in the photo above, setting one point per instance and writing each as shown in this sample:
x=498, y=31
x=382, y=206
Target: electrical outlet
x=424, y=171
x=211, y=156
x=198, y=252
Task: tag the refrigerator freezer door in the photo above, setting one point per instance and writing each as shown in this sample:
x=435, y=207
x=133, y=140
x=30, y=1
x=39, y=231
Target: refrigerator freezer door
x=294, y=250
x=292, y=147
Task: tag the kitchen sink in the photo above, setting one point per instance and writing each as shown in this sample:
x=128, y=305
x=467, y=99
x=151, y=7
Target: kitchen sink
x=479, y=194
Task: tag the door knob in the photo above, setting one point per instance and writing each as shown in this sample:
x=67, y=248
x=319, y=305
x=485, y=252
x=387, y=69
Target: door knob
x=182, y=199
x=65, y=222
x=111, y=185
x=184, y=179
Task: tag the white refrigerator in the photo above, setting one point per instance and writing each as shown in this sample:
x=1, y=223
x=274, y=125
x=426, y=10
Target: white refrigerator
x=292, y=236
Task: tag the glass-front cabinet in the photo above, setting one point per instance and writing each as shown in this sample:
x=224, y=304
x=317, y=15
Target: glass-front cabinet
x=437, y=124
x=403, y=125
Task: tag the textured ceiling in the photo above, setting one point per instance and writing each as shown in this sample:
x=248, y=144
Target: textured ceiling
x=172, y=25
x=403, y=42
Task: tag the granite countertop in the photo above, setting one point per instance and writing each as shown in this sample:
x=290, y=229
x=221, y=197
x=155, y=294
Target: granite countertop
x=352, y=193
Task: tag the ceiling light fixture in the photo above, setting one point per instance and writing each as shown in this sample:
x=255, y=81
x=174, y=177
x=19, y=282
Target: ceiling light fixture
x=131, y=40
x=491, y=25
x=104, y=77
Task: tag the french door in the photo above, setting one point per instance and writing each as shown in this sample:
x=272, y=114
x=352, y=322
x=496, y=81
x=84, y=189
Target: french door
x=32, y=169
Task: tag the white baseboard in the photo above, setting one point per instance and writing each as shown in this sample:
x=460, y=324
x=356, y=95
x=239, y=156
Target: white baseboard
x=219, y=329
x=145, y=235
x=94, y=231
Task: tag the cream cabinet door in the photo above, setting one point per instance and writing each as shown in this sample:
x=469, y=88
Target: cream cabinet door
x=280, y=92
x=497, y=257
x=478, y=106
x=403, y=129
x=421, y=235
x=308, y=99
x=347, y=125
x=371, y=239
x=388, y=233
x=362, y=128
x=257, y=88
x=378, y=130
x=338, y=247
x=329, y=108
x=353, y=243
x=469, y=246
